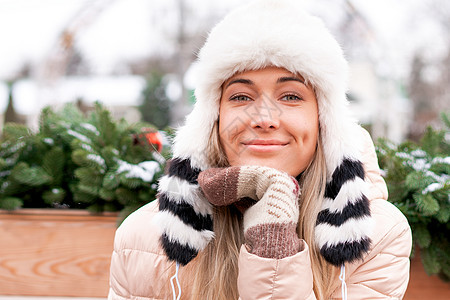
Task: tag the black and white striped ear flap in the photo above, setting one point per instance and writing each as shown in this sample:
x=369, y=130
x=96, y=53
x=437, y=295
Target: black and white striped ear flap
x=185, y=216
x=344, y=223
x=342, y=229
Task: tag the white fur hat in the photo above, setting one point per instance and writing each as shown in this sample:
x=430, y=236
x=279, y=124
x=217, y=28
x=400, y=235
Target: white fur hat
x=260, y=34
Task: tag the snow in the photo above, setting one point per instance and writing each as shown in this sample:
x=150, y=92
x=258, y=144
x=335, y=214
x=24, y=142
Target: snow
x=420, y=164
x=5, y=173
x=49, y=141
x=381, y=150
x=10, y=161
x=5, y=184
x=432, y=187
x=145, y=170
x=441, y=160
x=16, y=147
x=418, y=153
x=90, y=127
x=403, y=155
x=87, y=147
x=150, y=166
x=98, y=159
x=79, y=136
x=64, y=124
x=442, y=178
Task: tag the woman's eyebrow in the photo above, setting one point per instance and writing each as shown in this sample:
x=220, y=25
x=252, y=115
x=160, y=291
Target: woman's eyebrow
x=240, y=80
x=290, y=78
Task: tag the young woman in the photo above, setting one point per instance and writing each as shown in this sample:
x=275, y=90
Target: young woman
x=274, y=192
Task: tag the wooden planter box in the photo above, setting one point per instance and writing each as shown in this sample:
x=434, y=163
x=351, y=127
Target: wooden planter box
x=49, y=252
x=421, y=286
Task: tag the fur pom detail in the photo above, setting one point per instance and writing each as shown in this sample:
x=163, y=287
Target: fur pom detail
x=344, y=223
x=184, y=216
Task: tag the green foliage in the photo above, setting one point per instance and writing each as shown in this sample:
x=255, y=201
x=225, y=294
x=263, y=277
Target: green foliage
x=75, y=161
x=417, y=176
x=11, y=203
x=155, y=107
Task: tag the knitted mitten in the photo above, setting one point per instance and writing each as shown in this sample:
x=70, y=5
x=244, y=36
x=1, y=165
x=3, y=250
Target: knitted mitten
x=270, y=224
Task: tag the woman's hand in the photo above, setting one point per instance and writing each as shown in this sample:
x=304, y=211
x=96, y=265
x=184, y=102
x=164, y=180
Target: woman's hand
x=270, y=224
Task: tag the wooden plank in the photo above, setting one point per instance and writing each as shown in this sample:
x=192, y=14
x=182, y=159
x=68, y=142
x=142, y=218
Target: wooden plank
x=67, y=253
x=55, y=254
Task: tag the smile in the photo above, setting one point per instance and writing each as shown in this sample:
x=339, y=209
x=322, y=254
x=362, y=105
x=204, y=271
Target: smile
x=264, y=145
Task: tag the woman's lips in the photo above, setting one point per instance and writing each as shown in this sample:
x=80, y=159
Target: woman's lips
x=264, y=145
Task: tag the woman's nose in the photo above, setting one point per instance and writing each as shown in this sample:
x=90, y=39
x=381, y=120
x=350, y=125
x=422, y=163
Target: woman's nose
x=264, y=115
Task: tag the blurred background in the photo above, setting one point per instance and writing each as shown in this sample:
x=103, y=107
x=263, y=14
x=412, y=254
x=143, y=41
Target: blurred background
x=135, y=57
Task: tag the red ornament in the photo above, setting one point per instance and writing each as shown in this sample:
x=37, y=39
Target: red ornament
x=149, y=137
x=155, y=138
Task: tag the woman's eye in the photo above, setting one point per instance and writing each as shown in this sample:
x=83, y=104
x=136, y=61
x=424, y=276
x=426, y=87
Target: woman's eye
x=291, y=97
x=240, y=98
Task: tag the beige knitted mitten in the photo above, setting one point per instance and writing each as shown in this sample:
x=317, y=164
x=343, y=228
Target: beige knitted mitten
x=270, y=224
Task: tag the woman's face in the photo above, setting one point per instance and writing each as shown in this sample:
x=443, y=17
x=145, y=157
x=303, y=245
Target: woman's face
x=269, y=117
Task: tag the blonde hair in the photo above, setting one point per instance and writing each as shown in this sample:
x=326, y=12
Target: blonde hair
x=216, y=267
x=312, y=184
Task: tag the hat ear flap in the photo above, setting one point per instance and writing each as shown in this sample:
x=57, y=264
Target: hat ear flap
x=185, y=216
x=344, y=223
